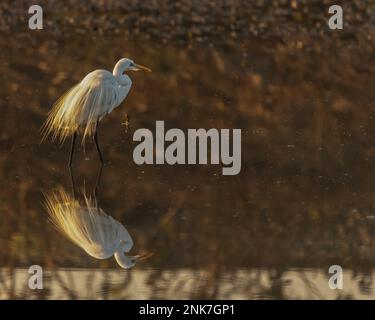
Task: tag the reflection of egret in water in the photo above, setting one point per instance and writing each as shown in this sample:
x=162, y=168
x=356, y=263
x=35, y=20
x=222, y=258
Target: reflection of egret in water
x=90, y=228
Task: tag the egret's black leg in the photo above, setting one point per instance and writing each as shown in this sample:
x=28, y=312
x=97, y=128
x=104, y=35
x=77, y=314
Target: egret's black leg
x=96, y=187
x=96, y=141
x=72, y=182
x=97, y=182
x=72, y=148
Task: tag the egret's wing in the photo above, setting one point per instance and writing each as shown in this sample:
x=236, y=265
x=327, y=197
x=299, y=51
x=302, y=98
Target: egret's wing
x=96, y=95
x=99, y=231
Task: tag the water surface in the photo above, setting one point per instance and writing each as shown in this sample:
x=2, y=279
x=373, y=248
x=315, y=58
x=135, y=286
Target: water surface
x=304, y=200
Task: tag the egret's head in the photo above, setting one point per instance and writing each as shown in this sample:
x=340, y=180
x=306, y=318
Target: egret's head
x=126, y=64
x=127, y=262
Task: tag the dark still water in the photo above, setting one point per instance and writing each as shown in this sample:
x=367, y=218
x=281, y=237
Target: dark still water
x=303, y=201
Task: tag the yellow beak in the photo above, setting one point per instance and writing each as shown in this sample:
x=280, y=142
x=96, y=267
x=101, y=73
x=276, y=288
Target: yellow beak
x=140, y=67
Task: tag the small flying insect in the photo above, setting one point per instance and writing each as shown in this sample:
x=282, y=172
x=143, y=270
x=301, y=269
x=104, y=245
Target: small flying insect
x=126, y=122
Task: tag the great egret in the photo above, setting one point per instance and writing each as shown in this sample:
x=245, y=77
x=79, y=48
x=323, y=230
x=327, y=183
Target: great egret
x=85, y=104
x=90, y=228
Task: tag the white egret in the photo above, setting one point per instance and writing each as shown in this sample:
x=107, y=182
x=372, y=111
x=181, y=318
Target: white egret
x=90, y=228
x=85, y=104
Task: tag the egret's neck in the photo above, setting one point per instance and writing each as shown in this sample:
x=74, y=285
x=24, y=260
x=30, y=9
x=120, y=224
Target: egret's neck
x=125, y=245
x=118, y=73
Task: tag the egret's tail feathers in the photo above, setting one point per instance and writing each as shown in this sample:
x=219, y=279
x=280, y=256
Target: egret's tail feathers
x=65, y=214
x=57, y=123
x=86, y=225
x=77, y=108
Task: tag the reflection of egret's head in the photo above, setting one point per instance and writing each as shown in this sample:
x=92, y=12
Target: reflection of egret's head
x=90, y=228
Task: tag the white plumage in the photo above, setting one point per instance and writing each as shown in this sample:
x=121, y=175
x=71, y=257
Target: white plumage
x=85, y=104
